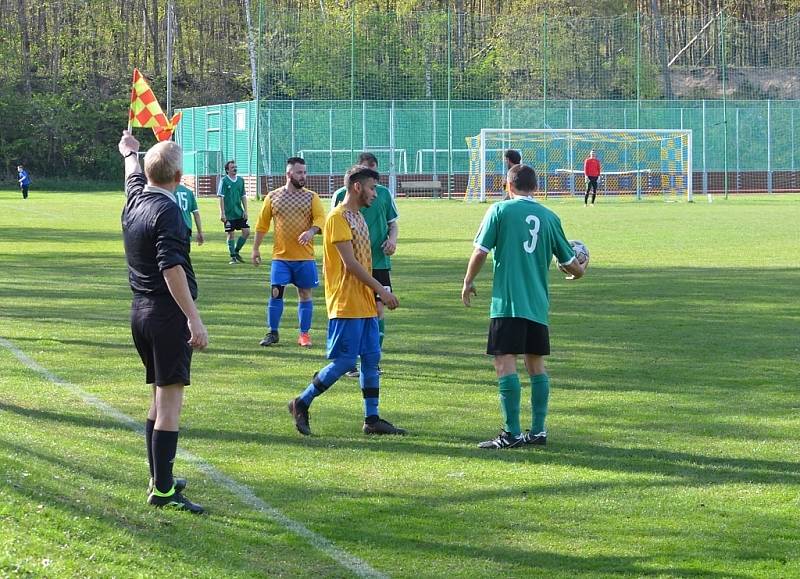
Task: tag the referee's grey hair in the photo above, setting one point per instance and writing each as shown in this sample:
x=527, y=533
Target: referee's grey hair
x=162, y=162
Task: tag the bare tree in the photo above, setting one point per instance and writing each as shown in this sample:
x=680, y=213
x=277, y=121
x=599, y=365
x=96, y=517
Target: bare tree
x=22, y=17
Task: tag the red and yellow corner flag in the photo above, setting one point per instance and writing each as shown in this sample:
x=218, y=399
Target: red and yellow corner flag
x=146, y=112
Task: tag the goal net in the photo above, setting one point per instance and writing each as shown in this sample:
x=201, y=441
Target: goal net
x=641, y=163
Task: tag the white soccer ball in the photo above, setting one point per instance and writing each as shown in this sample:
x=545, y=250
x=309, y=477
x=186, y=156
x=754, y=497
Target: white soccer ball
x=580, y=249
x=581, y=252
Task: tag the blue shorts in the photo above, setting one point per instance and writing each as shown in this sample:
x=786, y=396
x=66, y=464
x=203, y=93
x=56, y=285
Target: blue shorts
x=353, y=337
x=302, y=274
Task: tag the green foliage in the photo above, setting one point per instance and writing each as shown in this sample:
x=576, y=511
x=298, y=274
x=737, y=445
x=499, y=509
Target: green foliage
x=65, y=65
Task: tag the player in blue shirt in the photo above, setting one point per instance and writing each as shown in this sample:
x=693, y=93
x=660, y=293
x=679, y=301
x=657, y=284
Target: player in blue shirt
x=24, y=181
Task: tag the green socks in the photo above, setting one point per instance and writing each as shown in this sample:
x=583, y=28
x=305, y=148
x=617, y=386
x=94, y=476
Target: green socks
x=540, y=393
x=231, y=247
x=510, y=390
x=240, y=243
x=381, y=329
x=510, y=393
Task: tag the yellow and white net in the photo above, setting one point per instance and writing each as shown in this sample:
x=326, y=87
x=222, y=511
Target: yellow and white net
x=637, y=163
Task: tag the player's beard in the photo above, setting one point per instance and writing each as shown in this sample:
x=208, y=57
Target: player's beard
x=297, y=183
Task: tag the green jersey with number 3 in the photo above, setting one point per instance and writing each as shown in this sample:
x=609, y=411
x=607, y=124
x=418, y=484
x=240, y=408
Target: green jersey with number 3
x=523, y=236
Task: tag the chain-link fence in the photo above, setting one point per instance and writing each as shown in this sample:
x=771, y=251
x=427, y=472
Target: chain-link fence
x=412, y=87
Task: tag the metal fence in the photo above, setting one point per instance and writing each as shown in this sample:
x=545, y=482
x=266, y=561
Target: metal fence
x=412, y=87
x=738, y=145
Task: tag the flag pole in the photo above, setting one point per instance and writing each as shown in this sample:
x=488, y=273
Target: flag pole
x=130, y=120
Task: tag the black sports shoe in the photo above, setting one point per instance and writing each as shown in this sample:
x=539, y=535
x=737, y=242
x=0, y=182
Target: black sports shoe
x=382, y=426
x=180, y=484
x=175, y=501
x=269, y=339
x=503, y=440
x=299, y=412
x=539, y=439
x=238, y=257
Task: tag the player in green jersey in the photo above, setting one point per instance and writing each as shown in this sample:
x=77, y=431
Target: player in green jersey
x=233, y=210
x=188, y=204
x=381, y=218
x=524, y=236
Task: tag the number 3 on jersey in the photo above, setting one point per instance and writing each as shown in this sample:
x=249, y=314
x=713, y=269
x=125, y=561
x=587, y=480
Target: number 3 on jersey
x=530, y=245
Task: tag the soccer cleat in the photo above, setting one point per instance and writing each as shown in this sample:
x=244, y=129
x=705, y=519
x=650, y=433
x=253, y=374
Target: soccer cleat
x=539, y=439
x=269, y=339
x=233, y=260
x=299, y=412
x=304, y=341
x=238, y=257
x=175, y=501
x=382, y=426
x=354, y=373
x=180, y=484
x=503, y=440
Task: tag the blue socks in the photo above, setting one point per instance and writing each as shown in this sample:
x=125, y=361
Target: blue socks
x=274, y=313
x=305, y=312
x=326, y=378
x=369, y=380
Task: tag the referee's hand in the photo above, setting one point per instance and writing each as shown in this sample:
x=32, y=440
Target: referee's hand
x=199, y=334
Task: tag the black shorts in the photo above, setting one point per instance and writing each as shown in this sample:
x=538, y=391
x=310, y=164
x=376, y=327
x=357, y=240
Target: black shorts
x=162, y=337
x=517, y=336
x=383, y=277
x=234, y=224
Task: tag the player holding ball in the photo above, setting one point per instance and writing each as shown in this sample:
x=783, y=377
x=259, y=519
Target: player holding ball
x=524, y=236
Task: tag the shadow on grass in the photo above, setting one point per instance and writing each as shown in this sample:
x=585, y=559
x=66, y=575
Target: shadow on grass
x=115, y=513
x=685, y=467
x=75, y=419
x=197, y=542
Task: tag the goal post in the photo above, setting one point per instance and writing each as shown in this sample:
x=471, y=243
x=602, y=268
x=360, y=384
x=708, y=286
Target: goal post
x=642, y=163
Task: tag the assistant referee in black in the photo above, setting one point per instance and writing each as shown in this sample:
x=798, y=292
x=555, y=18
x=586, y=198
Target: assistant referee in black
x=165, y=323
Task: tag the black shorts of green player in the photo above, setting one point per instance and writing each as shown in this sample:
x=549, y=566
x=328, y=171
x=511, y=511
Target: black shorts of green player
x=236, y=225
x=384, y=278
x=517, y=336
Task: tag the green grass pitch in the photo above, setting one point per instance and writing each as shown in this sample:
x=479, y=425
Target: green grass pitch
x=674, y=431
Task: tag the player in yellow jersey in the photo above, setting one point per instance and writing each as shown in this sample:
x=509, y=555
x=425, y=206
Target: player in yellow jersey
x=350, y=293
x=298, y=215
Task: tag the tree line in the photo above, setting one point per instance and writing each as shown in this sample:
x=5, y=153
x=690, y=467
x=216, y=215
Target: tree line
x=65, y=65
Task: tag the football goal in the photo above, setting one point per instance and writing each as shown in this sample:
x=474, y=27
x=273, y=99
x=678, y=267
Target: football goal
x=640, y=163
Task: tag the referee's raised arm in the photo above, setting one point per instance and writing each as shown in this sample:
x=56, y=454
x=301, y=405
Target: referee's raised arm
x=129, y=149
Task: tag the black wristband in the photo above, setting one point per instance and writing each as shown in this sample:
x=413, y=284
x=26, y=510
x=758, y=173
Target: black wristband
x=129, y=154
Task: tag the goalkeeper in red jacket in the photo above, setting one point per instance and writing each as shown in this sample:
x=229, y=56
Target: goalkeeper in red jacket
x=592, y=169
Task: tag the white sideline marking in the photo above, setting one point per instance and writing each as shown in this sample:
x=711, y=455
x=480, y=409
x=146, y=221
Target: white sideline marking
x=246, y=495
